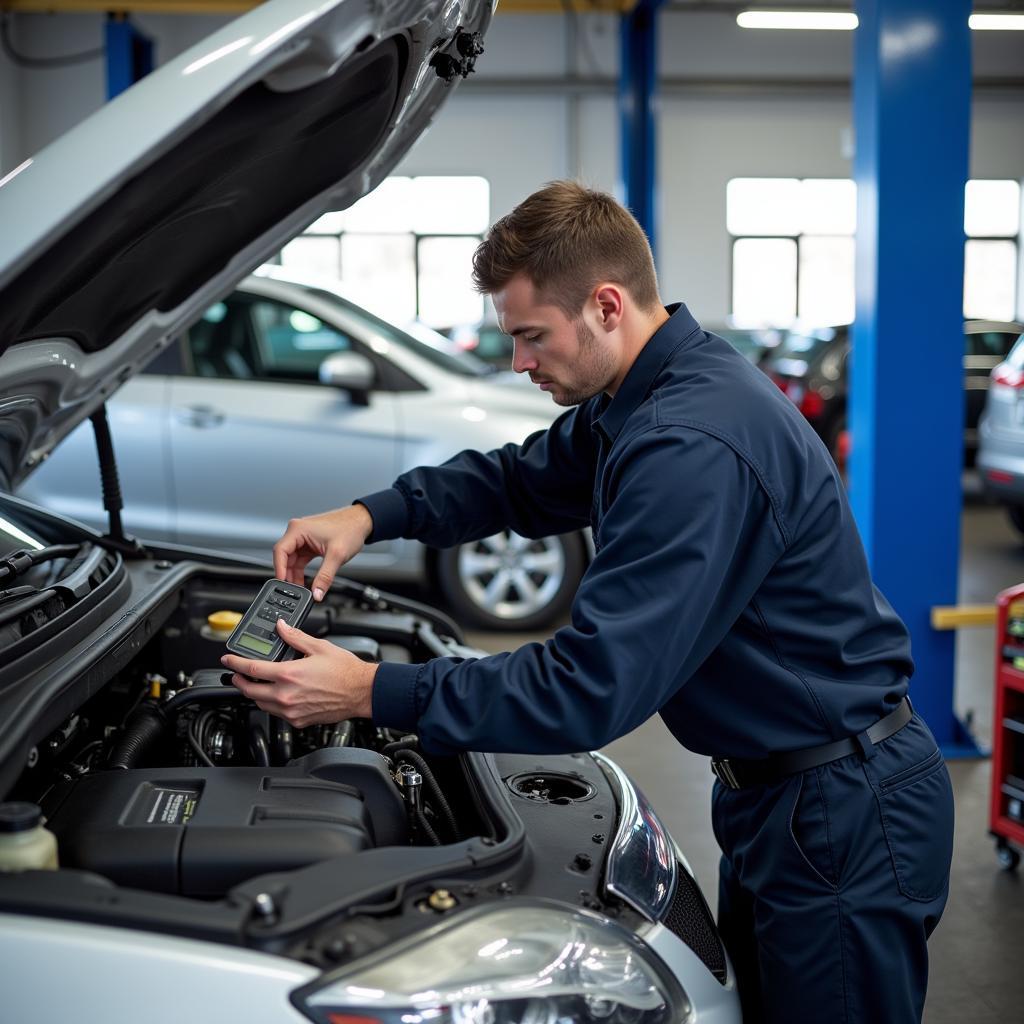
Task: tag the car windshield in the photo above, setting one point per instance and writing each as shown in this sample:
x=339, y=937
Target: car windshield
x=417, y=338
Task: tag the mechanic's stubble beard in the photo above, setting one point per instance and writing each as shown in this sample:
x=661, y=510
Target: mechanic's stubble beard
x=595, y=369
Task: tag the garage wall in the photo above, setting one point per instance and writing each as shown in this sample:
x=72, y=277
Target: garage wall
x=735, y=103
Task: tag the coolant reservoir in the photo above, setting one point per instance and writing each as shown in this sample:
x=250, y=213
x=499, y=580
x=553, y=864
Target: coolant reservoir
x=24, y=842
x=219, y=625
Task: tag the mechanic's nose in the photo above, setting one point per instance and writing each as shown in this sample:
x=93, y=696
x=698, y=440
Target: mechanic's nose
x=522, y=362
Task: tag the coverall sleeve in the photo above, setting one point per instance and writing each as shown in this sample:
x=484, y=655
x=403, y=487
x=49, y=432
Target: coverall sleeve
x=688, y=536
x=543, y=486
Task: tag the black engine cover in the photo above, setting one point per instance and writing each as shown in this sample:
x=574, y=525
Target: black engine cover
x=200, y=831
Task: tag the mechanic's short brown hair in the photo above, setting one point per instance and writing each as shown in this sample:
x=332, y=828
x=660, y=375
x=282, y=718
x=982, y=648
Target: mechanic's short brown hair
x=566, y=238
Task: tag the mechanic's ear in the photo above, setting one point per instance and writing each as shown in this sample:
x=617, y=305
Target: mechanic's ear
x=609, y=301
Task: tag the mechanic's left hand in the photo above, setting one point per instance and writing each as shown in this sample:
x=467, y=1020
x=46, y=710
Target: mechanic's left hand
x=328, y=685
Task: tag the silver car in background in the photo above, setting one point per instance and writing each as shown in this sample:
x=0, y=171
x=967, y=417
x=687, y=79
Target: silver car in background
x=1001, y=436
x=288, y=398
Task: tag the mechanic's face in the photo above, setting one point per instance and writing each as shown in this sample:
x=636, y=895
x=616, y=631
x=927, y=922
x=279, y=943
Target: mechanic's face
x=563, y=357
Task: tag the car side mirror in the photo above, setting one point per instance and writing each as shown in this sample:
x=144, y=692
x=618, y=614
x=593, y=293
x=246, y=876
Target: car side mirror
x=349, y=371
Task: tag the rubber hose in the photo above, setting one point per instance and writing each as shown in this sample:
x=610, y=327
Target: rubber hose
x=202, y=694
x=433, y=789
x=281, y=733
x=405, y=743
x=144, y=727
x=259, y=746
x=424, y=827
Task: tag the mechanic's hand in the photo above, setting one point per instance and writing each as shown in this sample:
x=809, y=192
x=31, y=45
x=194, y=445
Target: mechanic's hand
x=328, y=685
x=336, y=536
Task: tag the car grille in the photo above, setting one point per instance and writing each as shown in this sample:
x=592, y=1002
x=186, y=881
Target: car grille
x=689, y=919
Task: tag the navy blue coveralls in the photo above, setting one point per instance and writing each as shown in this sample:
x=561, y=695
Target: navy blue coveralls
x=729, y=592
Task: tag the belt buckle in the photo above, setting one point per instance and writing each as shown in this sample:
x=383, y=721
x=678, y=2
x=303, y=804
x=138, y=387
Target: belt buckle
x=723, y=770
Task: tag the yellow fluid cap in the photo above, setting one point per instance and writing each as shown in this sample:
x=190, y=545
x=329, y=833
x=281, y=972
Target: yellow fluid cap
x=223, y=621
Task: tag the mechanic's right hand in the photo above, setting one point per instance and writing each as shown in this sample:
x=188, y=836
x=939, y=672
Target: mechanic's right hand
x=336, y=536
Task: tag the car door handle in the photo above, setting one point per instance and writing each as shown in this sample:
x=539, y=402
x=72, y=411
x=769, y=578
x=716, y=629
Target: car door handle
x=201, y=416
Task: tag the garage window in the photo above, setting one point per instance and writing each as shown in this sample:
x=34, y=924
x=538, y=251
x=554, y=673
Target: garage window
x=992, y=226
x=793, y=250
x=405, y=249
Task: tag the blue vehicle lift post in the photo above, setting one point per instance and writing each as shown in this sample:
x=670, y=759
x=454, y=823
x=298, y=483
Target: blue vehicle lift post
x=911, y=105
x=638, y=76
x=129, y=54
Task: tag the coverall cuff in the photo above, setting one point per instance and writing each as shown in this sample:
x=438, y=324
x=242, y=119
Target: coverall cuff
x=394, y=695
x=389, y=513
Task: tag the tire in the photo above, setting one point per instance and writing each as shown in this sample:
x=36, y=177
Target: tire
x=508, y=582
x=1015, y=513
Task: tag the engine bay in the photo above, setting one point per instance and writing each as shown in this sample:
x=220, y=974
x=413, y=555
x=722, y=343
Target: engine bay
x=169, y=779
x=182, y=808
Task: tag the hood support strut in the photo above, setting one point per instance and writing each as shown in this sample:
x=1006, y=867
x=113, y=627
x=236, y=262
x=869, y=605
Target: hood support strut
x=112, y=501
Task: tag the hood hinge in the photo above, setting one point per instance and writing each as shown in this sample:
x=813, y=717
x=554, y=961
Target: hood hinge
x=457, y=56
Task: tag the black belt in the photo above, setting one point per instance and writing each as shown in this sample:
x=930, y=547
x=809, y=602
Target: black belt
x=736, y=774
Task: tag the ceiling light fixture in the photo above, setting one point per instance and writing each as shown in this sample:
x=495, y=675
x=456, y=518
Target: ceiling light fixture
x=997, y=22
x=841, y=21
x=846, y=21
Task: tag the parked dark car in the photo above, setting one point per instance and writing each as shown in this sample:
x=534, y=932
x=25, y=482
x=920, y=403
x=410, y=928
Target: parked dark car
x=812, y=368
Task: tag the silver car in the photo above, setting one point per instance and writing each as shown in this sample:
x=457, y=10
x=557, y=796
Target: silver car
x=213, y=863
x=1001, y=436
x=295, y=382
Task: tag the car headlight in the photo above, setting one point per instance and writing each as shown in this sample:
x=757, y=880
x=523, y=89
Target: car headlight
x=529, y=964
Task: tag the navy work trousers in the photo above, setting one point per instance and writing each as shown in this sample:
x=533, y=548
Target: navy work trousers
x=832, y=880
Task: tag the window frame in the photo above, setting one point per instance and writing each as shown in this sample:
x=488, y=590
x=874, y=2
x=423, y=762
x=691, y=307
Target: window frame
x=417, y=237
x=1016, y=240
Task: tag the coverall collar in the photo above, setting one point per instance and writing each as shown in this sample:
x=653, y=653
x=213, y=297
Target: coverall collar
x=678, y=329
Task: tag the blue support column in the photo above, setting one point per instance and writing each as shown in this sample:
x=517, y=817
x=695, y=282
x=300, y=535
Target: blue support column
x=129, y=54
x=911, y=98
x=638, y=78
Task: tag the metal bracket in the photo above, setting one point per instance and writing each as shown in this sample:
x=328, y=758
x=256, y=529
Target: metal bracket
x=458, y=56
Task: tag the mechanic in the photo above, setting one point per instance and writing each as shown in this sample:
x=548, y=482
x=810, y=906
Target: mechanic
x=729, y=592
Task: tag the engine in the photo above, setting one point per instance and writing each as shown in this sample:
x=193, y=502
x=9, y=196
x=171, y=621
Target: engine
x=197, y=789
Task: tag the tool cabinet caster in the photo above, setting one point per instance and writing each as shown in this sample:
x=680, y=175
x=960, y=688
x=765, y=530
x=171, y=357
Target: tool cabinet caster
x=1007, y=856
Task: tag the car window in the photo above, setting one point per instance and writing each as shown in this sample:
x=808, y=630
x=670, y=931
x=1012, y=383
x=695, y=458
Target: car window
x=244, y=338
x=418, y=338
x=292, y=343
x=990, y=343
x=221, y=343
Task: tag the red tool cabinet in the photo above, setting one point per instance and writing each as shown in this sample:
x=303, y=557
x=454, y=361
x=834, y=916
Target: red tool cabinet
x=1006, y=811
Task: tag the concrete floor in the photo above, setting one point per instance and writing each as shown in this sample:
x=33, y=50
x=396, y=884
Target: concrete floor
x=976, y=972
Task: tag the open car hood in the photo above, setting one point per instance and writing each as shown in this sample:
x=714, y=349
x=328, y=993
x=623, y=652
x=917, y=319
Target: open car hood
x=121, y=233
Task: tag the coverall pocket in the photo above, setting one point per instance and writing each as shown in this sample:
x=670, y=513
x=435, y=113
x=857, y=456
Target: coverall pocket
x=809, y=828
x=917, y=816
